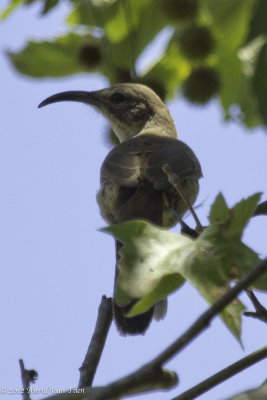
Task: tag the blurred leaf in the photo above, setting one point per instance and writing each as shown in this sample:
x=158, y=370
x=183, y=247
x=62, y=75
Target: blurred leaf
x=127, y=28
x=171, y=70
x=230, y=19
x=258, y=24
x=237, y=90
x=154, y=262
x=48, y=5
x=53, y=58
x=92, y=13
x=14, y=4
x=10, y=8
x=260, y=82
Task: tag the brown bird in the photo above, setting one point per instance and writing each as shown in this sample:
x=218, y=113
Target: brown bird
x=133, y=184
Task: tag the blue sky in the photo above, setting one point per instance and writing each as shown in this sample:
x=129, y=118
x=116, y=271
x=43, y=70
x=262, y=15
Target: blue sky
x=56, y=265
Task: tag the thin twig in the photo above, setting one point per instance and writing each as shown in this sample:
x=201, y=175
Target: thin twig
x=187, y=230
x=27, y=376
x=96, y=346
x=175, y=182
x=205, y=319
x=222, y=375
x=261, y=209
x=260, y=311
x=140, y=381
x=151, y=376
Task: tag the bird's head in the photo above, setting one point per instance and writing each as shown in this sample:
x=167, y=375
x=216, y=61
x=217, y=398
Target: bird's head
x=131, y=109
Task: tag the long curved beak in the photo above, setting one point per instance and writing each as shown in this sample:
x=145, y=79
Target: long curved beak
x=90, y=98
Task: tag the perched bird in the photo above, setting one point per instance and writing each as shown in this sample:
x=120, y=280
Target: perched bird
x=133, y=184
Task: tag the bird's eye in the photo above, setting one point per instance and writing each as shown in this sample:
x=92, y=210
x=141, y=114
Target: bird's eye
x=118, y=98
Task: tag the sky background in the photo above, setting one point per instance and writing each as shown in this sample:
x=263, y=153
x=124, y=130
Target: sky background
x=56, y=265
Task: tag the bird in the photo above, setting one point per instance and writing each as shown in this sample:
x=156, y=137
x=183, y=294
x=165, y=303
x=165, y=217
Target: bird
x=133, y=184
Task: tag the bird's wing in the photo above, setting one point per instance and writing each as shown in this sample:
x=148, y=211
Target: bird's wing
x=122, y=166
x=143, y=157
x=180, y=158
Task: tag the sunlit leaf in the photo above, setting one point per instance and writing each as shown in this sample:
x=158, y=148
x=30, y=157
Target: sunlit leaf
x=154, y=262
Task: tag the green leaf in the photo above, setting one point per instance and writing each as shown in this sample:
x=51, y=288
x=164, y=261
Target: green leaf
x=49, y=5
x=242, y=212
x=166, y=285
x=60, y=57
x=230, y=20
x=230, y=24
x=260, y=82
x=234, y=219
x=10, y=8
x=237, y=90
x=219, y=212
x=171, y=70
x=127, y=27
x=92, y=13
x=258, y=24
x=139, y=262
x=154, y=262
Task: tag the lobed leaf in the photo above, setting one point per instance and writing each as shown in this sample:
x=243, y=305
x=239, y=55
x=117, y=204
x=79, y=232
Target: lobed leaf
x=154, y=262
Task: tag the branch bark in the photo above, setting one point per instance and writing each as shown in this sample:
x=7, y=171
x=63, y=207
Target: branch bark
x=152, y=376
x=222, y=375
x=27, y=376
x=205, y=319
x=260, y=311
x=96, y=346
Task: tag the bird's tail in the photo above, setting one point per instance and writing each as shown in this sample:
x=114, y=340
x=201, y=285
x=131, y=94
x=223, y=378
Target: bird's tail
x=144, y=203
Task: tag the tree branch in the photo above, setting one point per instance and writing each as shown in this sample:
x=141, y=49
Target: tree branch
x=152, y=376
x=140, y=381
x=224, y=374
x=260, y=311
x=261, y=209
x=205, y=319
x=27, y=376
x=96, y=346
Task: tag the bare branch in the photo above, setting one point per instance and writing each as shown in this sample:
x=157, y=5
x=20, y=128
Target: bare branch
x=261, y=209
x=261, y=312
x=152, y=376
x=96, y=346
x=27, y=376
x=224, y=374
x=140, y=381
x=205, y=319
